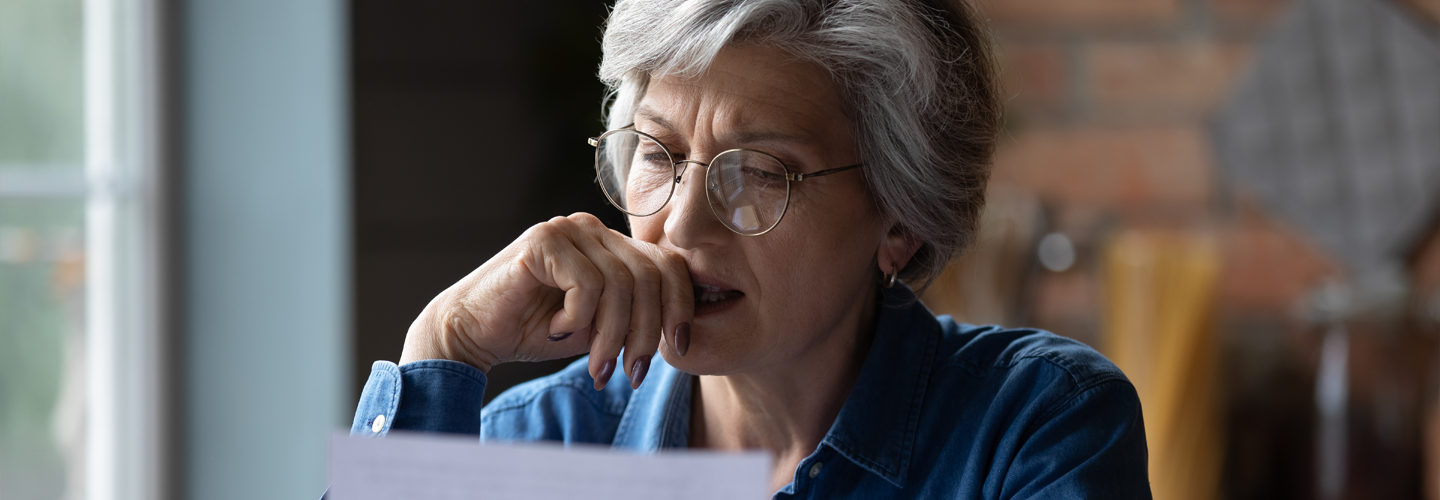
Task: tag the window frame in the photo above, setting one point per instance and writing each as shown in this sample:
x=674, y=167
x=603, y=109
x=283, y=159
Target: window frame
x=126, y=246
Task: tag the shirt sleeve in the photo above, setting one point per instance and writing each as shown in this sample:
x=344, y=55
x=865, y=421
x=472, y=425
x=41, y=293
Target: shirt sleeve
x=424, y=396
x=1090, y=446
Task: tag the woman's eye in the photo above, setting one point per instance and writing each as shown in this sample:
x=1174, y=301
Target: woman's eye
x=761, y=177
x=654, y=159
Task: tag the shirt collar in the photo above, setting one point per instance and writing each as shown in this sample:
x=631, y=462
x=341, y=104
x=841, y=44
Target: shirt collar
x=876, y=428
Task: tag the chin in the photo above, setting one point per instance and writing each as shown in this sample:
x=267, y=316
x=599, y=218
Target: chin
x=702, y=361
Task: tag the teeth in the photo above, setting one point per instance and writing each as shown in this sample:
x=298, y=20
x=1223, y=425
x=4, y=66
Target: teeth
x=707, y=293
x=708, y=296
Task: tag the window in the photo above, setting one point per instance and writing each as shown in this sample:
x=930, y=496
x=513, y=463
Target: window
x=80, y=317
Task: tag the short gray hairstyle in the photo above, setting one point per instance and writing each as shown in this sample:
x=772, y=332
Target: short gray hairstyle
x=917, y=77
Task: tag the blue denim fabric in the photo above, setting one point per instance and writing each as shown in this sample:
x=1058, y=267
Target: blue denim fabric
x=940, y=410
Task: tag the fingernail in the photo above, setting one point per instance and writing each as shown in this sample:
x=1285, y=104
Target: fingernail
x=638, y=371
x=606, y=370
x=682, y=338
x=556, y=337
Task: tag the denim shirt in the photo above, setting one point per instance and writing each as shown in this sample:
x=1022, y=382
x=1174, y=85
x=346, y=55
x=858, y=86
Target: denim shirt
x=939, y=410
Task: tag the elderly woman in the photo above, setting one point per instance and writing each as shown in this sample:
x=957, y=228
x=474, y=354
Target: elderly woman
x=787, y=166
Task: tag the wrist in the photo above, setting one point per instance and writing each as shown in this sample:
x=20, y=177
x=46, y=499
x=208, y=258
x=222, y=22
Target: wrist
x=446, y=336
x=461, y=347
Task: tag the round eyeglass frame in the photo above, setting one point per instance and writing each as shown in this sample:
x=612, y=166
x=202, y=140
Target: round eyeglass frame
x=677, y=172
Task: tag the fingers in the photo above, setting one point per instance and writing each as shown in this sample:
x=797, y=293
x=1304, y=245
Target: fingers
x=643, y=338
x=625, y=294
x=678, y=296
x=560, y=264
x=628, y=310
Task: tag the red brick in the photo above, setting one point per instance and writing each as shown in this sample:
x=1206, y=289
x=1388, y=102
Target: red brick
x=1248, y=13
x=1033, y=76
x=1121, y=168
x=1162, y=78
x=1268, y=267
x=1080, y=12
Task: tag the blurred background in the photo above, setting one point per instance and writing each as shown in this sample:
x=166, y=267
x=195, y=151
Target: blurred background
x=214, y=215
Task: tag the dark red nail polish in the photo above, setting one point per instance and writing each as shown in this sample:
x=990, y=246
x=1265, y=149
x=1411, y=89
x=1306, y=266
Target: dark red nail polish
x=606, y=370
x=638, y=371
x=682, y=338
x=556, y=337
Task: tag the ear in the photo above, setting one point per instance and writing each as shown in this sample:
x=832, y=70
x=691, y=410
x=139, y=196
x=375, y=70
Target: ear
x=896, y=250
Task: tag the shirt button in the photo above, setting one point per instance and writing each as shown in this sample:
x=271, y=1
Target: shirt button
x=379, y=424
x=815, y=469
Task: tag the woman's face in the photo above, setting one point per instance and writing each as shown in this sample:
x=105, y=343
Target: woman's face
x=787, y=292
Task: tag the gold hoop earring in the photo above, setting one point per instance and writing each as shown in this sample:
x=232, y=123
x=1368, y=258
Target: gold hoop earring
x=888, y=280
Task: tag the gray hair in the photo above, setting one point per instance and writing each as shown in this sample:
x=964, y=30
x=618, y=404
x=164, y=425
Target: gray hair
x=917, y=78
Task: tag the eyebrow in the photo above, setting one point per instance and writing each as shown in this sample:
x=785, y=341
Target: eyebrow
x=650, y=114
x=741, y=137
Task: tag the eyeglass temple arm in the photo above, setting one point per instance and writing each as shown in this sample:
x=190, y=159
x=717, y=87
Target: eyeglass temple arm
x=595, y=141
x=801, y=177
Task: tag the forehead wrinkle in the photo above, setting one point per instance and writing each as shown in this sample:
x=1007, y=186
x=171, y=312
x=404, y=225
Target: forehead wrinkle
x=767, y=136
x=738, y=124
x=771, y=116
x=747, y=99
x=655, y=117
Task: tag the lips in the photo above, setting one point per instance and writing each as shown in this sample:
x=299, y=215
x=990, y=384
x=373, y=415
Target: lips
x=713, y=296
x=705, y=294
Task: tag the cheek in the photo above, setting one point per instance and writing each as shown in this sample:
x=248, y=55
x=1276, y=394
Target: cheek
x=815, y=265
x=648, y=229
x=840, y=227
x=835, y=252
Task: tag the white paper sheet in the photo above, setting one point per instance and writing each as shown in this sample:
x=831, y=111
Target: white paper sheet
x=427, y=466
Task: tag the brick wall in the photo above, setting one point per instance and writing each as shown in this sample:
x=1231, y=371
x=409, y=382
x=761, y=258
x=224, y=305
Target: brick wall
x=1109, y=107
x=1108, y=123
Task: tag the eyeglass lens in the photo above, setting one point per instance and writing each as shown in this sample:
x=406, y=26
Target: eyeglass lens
x=747, y=190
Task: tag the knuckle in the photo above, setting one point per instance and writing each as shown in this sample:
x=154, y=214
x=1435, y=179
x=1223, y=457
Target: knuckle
x=561, y=224
x=543, y=230
x=532, y=231
x=585, y=219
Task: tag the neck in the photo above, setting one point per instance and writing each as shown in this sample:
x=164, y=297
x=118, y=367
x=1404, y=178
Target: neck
x=786, y=408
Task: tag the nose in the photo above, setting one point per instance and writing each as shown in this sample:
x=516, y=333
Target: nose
x=683, y=165
x=689, y=222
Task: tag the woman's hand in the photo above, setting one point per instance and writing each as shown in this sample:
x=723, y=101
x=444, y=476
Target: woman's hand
x=565, y=287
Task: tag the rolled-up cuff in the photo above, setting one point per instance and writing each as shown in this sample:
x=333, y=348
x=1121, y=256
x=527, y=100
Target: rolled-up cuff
x=425, y=396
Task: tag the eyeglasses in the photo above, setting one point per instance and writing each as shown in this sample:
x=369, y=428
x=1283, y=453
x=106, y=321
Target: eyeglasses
x=748, y=190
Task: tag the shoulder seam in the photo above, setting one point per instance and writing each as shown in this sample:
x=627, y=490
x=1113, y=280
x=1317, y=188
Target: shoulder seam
x=1051, y=356
x=1000, y=362
x=1068, y=399
x=1081, y=385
